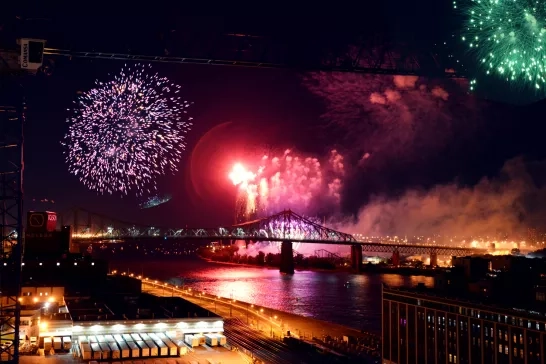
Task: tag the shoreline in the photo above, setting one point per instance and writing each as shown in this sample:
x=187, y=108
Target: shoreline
x=276, y=320
x=403, y=271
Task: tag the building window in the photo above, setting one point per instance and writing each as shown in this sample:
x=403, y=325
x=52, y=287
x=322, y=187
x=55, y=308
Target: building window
x=515, y=352
x=506, y=349
x=500, y=348
x=520, y=338
x=521, y=353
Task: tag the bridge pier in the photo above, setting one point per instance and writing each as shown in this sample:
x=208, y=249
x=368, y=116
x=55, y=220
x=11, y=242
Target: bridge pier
x=356, y=258
x=396, y=258
x=433, y=259
x=287, y=258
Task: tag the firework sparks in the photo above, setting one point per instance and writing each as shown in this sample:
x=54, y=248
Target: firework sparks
x=125, y=132
x=289, y=181
x=240, y=176
x=507, y=38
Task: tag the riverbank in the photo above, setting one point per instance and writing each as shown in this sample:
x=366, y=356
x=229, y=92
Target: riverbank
x=273, y=323
x=366, y=269
x=272, y=267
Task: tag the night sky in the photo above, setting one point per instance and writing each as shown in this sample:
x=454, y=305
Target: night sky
x=274, y=108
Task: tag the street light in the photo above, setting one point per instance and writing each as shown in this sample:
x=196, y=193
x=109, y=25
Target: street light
x=230, y=303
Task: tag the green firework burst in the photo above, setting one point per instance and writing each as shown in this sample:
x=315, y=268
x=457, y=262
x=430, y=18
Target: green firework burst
x=508, y=38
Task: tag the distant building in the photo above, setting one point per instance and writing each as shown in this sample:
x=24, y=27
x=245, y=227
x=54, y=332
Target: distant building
x=426, y=326
x=473, y=315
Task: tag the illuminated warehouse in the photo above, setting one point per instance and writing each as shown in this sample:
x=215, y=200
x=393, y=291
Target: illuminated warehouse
x=79, y=307
x=116, y=326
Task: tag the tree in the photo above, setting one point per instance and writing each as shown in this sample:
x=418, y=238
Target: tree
x=260, y=258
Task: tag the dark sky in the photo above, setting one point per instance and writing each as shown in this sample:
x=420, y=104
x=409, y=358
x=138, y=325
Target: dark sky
x=270, y=107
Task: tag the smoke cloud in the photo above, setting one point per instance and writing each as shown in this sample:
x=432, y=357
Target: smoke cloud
x=505, y=205
x=394, y=116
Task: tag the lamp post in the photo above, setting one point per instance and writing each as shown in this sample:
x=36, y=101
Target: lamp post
x=230, y=303
x=247, y=309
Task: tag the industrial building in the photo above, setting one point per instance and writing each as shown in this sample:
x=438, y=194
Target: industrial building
x=69, y=303
x=115, y=325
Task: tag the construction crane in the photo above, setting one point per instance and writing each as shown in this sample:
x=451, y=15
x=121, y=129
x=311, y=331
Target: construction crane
x=408, y=69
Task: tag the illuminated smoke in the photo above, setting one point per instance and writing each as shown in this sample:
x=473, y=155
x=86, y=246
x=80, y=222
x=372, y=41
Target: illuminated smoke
x=504, y=206
x=394, y=116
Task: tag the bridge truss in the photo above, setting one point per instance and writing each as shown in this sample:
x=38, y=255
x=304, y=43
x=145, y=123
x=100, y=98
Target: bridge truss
x=419, y=249
x=284, y=226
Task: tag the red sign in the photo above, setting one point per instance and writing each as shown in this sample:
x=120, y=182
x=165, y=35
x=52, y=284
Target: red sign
x=41, y=221
x=51, y=224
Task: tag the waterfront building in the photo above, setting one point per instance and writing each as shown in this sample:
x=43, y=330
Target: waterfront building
x=424, y=325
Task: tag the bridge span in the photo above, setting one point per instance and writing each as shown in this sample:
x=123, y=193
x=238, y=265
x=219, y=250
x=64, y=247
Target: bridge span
x=285, y=227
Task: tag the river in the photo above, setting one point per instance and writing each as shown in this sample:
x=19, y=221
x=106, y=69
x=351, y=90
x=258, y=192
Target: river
x=352, y=300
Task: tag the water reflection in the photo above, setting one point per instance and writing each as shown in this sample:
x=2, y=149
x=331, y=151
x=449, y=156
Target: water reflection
x=347, y=299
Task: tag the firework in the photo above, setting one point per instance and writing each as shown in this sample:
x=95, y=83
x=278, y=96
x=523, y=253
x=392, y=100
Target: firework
x=125, y=132
x=155, y=201
x=287, y=182
x=508, y=38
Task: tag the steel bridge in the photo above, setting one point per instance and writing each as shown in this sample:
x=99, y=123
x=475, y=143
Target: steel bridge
x=286, y=226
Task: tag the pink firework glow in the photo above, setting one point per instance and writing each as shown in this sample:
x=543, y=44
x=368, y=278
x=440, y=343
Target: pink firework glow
x=290, y=181
x=240, y=176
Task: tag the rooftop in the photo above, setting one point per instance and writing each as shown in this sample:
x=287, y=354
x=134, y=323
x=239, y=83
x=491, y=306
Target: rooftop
x=143, y=306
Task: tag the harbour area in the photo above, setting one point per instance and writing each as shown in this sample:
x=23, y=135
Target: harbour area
x=277, y=324
x=124, y=317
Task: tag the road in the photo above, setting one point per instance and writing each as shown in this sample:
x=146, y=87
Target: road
x=260, y=330
x=274, y=323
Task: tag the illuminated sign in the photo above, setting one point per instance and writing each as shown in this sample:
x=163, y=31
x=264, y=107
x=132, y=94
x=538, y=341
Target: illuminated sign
x=37, y=220
x=24, y=55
